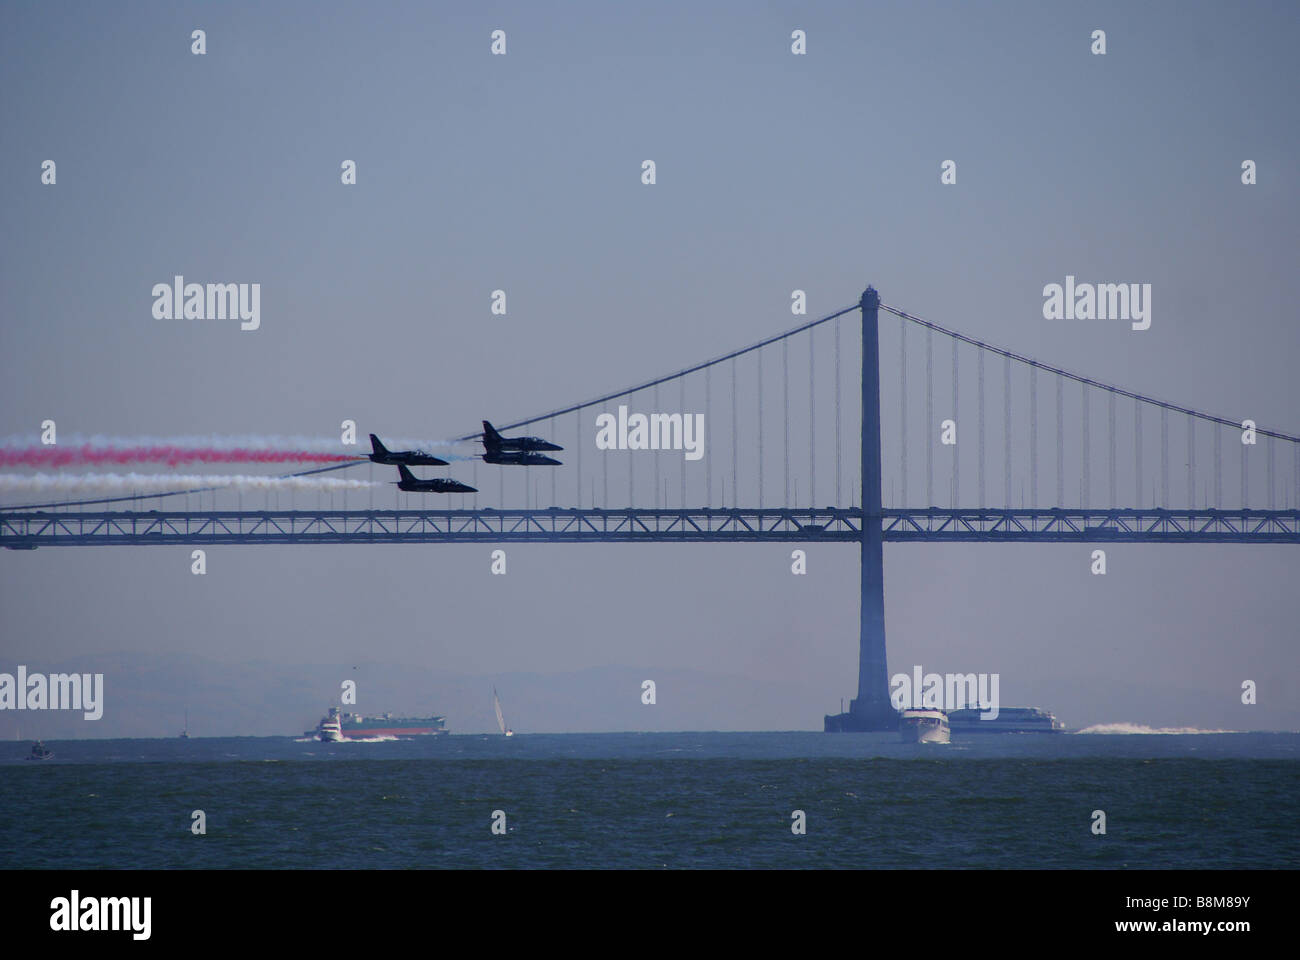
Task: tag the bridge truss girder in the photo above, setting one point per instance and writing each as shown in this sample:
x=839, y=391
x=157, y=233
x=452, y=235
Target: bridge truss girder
x=20, y=531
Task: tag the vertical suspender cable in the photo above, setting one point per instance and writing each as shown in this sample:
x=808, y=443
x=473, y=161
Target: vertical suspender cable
x=655, y=440
x=1218, y=467
x=1033, y=437
x=708, y=425
x=980, y=367
x=785, y=419
x=758, y=354
x=1137, y=453
x=1006, y=431
x=735, y=441
x=837, y=413
x=1245, y=478
x=1110, y=413
x=1164, y=457
x=1085, y=491
x=812, y=422
x=1060, y=442
x=902, y=413
x=1269, y=442
x=956, y=447
x=928, y=434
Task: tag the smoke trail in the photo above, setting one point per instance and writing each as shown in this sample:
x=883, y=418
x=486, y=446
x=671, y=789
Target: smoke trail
x=172, y=456
x=145, y=484
x=228, y=442
x=20, y=451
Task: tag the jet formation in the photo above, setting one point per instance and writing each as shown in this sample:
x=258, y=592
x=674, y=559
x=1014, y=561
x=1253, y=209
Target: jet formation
x=410, y=458
x=413, y=484
x=516, y=451
x=503, y=451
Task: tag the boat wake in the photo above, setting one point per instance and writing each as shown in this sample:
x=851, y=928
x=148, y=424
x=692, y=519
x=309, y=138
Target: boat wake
x=1138, y=728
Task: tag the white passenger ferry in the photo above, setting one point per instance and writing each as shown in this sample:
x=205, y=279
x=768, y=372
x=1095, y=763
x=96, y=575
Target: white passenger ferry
x=924, y=726
x=1008, y=720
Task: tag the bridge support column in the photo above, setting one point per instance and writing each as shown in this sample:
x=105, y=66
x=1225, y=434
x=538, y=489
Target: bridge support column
x=871, y=709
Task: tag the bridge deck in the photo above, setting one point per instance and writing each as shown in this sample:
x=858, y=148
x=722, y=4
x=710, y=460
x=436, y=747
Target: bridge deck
x=25, y=531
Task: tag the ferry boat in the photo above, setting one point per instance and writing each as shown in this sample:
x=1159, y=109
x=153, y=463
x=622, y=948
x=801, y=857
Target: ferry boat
x=924, y=726
x=1008, y=720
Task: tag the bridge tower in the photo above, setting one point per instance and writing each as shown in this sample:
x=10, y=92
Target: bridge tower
x=871, y=709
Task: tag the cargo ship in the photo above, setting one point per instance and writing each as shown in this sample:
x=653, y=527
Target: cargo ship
x=354, y=726
x=1008, y=720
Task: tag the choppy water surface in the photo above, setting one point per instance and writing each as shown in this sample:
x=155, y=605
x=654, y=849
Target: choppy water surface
x=657, y=800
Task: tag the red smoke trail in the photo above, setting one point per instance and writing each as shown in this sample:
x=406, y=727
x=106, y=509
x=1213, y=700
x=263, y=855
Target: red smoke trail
x=56, y=456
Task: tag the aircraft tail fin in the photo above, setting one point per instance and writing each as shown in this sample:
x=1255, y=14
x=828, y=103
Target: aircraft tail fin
x=378, y=448
x=405, y=473
x=490, y=435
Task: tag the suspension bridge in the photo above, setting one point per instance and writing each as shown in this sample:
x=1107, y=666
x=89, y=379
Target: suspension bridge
x=760, y=472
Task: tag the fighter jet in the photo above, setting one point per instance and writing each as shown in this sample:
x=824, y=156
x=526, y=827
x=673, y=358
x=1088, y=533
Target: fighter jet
x=497, y=443
x=518, y=458
x=412, y=458
x=413, y=484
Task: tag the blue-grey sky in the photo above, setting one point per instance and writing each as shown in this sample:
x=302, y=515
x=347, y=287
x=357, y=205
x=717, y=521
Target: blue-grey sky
x=522, y=172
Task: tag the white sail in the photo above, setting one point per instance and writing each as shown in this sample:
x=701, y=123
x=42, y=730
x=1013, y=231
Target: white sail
x=496, y=702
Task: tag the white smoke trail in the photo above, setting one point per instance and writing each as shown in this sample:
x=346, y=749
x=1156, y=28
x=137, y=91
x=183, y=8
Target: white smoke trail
x=229, y=442
x=152, y=483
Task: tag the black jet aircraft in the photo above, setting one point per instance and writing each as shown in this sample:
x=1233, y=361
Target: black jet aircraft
x=412, y=458
x=499, y=444
x=413, y=484
x=518, y=458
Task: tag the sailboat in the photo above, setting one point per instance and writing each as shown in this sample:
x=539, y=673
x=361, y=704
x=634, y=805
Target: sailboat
x=185, y=734
x=501, y=720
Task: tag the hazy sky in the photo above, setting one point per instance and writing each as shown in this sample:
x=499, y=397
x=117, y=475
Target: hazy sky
x=522, y=172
